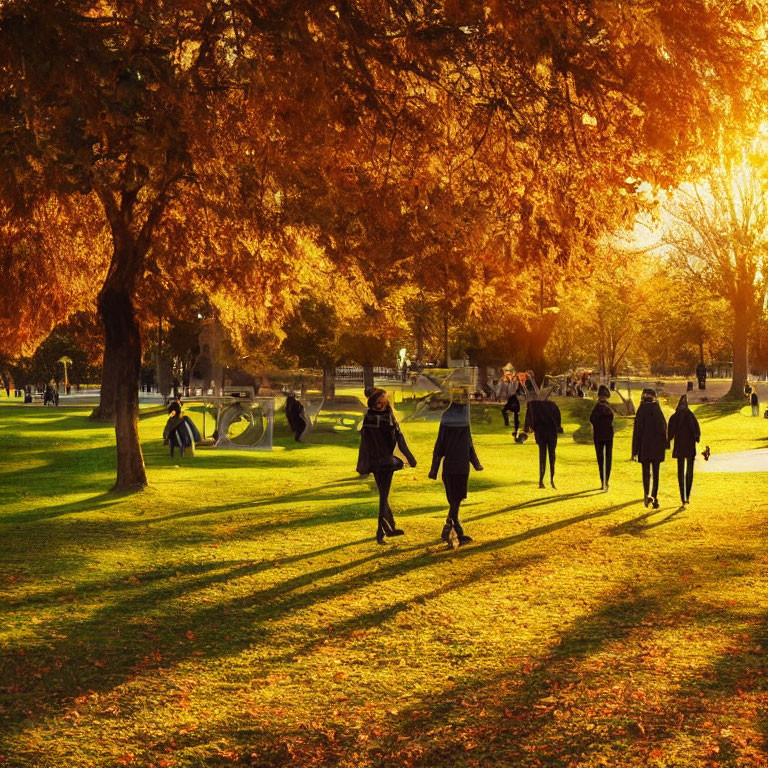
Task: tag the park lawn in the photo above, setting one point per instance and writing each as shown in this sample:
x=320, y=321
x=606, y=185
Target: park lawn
x=239, y=612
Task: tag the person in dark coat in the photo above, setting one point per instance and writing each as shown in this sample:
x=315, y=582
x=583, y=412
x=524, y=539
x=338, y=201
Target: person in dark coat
x=180, y=431
x=512, y=406
x=601, y=419
x=684, y=430
x=542, y=417
x=649, y=443
x=379, y=435
x=754, y=401
x=455, y=449
x=701, y=375
x=297, y=416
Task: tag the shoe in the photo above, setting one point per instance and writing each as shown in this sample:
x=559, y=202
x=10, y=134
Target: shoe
x=552, y=483
x=607, y=486
x=380, y=538
x=396, y=532
x=541, y=484
x=446, y=534
x=655, y=503
x=465, y=540
x=647, y=500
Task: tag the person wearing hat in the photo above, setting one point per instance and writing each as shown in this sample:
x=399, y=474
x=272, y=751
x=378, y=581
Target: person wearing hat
x=455, y=449
x=649, y=443
x=601, y=419
x=379, y=436
x=542, y=417
x=684, y=430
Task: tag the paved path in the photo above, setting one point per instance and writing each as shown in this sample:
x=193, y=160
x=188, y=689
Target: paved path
x=739, y=461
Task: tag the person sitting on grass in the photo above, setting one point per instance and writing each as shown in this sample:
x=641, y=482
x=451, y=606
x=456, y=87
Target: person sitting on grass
x=455, y=449
x=684, y=430
x=180, y=432
x=649, y=443
x=379, y=435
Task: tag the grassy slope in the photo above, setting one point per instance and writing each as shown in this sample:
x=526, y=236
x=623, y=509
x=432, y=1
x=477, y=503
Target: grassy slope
x=239, y=612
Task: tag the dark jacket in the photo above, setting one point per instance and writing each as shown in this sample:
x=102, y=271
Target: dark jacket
x=753, y=398
x=602, y=421
x=684, y=429
x=512, y=404
x=543, y=418
x=454, y=444
x=379, y=435
x=294, y=412
x=649, y=437
x=181, y=431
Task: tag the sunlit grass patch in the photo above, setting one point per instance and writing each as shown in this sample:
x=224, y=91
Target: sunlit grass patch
x=239, y=612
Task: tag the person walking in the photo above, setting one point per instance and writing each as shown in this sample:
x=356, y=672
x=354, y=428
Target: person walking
x=542, y=417
x=754, y=401
x=455, y=449
x=701, y=375
x=512, y=406
x=649, y=443
x=297, y=417
x=683, y=429
x=601, y=419
x=379, y=436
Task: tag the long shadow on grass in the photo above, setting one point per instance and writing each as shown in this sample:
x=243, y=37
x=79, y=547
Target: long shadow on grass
x=544, y=501
x=152, y=626
x=565, y=707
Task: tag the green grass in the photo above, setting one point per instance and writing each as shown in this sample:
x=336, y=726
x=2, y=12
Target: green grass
x=239, y=612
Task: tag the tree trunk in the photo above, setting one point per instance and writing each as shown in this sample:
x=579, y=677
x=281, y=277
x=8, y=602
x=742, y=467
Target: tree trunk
x=482, y=375
x=329, y=381
x=368, y=377
x=105, y=410
x=122, y=350
x=740, y=350
x=446, y=349
x=419, y=343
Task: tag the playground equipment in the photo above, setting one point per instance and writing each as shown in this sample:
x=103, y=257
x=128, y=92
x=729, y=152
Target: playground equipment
x=243, y=421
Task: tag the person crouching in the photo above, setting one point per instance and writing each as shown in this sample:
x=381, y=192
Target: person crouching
x=455, y=449
x=379, y=435
x=180, y=431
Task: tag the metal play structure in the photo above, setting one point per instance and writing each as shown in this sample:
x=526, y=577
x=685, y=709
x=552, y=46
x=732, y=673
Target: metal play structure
x=242, y=420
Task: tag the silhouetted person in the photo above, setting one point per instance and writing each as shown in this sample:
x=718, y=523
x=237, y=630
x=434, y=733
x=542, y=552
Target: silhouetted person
x=601, y=419
x=455, y=449
x=180, y=431
x=754, y=401
x=649, y=442
x=683, y=429
x=512, y=406
x=701, y=375
x=297, y=416
x=542, y=417
x=379, y=435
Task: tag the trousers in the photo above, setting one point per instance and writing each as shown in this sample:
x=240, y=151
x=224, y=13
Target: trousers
x=383, y=480
x=516, y=415
x=604, y=451
x=545, y=448
x=647, y=467
x=685, y=477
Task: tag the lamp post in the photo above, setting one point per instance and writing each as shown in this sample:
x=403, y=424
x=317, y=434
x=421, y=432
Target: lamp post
x=65, y=361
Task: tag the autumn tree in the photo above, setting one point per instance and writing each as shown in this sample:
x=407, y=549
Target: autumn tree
x=718, y=231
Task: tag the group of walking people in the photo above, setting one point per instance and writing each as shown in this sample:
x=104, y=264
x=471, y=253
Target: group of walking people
x=652, y=436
